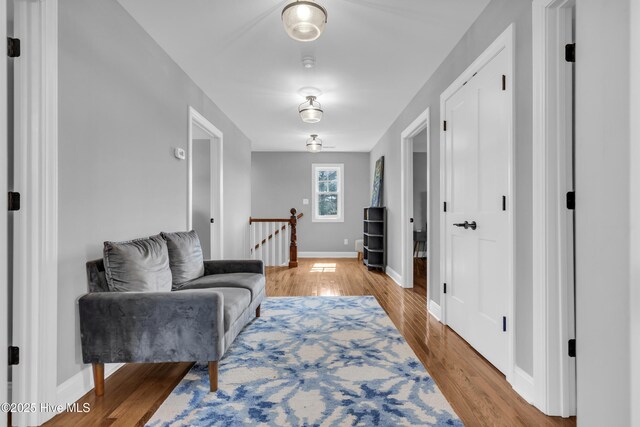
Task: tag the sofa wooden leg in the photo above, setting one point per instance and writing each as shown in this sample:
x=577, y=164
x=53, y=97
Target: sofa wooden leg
x=98, y=378
x=213, y=376
x=258, y=311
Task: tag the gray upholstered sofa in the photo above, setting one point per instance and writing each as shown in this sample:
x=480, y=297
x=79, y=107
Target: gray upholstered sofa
x=193, y=321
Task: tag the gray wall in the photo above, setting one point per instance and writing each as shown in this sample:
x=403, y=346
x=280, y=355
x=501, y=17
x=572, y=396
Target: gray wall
x=201, y=177
x=491, y=23
x=123, y=106
x=281, y=180
x=603, y=221
x=419, y=191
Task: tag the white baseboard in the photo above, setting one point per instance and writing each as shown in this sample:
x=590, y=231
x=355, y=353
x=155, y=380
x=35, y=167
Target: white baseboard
x=435, y=310
x=78, y=385
x=327, y=254
x=523, y=384
x=394, y=275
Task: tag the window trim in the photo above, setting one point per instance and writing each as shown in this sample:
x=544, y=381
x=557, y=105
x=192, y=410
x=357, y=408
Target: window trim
x=315, y=167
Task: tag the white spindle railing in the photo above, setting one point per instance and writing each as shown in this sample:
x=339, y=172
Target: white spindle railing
x=269, y=242
x=273, y=240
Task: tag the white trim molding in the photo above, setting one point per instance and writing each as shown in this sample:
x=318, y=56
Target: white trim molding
x=435, y=310
x=406, y=195
x=327, y=254
x=197, y=119
x=5, y=392
x=553, y=297
x=81, y=383
x=394, y=275
x=504, y=42
x=36, y=224
x=523, y=384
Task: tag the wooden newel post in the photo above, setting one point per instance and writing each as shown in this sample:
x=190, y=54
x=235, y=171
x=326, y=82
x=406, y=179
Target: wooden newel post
x=293, y=246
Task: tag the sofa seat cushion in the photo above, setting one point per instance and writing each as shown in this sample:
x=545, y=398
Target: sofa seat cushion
x=236, y=301
x=252, y=281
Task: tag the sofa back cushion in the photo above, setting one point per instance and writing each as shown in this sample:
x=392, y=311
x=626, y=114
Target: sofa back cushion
x=185, y=256
x=140, y=265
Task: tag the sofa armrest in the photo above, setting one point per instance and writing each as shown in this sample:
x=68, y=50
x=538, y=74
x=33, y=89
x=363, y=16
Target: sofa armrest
x=124, y=327
x=231, y=266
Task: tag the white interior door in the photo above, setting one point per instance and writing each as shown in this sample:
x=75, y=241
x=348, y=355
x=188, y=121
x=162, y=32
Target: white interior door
x=477, y=225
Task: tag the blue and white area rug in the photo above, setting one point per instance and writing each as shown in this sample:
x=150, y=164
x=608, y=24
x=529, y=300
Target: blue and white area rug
x=313, y=361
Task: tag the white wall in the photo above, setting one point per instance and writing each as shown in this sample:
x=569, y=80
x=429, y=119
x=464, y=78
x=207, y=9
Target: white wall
x=603, y=213
x=490, y=24
x=123, y=106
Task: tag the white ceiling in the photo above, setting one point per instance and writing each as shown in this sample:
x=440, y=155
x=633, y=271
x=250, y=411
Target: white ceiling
x=371, y=60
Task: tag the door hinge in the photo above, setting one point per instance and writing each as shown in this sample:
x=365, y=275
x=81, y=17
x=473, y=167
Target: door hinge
x=213, y=220
x=444, y=125
x=570, y=52
x=444, y=290
x=13, y=47
x=572, y=348
x=14, y=356
x=504, y=82
x=445, y=206
x=411, y=220
x=504, y=323
x=571, y=200
x=504, y=203
x=13, y=201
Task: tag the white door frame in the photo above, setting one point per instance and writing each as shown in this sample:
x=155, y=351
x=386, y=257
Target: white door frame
x=406, y=194
x=36, y=224
x=555, y=382
x=217, y=208
x=4, y=188
x=504, y=42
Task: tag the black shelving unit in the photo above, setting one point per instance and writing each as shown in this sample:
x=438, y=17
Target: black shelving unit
x=375, y=238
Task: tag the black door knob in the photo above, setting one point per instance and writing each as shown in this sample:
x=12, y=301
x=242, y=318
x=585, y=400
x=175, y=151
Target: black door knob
x=466, y=225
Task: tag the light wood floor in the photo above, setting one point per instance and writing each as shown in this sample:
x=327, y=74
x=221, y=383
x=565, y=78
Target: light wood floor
x=477, y=391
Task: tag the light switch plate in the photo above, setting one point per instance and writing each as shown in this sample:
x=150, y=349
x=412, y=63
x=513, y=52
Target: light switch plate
x=305, y=201
x=346, y=241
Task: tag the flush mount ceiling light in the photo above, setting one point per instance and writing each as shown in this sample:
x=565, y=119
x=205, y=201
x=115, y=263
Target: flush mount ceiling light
x=304, y=20
x=314, y=144
x=310, y=111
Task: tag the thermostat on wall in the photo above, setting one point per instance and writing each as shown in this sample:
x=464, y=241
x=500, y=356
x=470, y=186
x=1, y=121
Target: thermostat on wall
x=179, y=153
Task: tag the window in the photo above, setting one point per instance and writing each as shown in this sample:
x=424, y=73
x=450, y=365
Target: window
x=328, y=193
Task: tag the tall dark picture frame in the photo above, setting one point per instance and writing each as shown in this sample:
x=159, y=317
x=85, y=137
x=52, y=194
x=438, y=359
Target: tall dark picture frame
x=378, y=180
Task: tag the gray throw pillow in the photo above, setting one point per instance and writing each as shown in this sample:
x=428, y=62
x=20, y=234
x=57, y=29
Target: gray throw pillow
x=140, y=265
x=185, y=256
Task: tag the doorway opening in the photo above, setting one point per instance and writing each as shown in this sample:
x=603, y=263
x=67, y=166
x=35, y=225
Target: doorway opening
x=420, y=201
x=204, y=194
x=415, y=204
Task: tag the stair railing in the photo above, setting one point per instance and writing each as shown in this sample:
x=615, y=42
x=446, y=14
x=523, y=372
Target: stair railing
x=275, y=240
